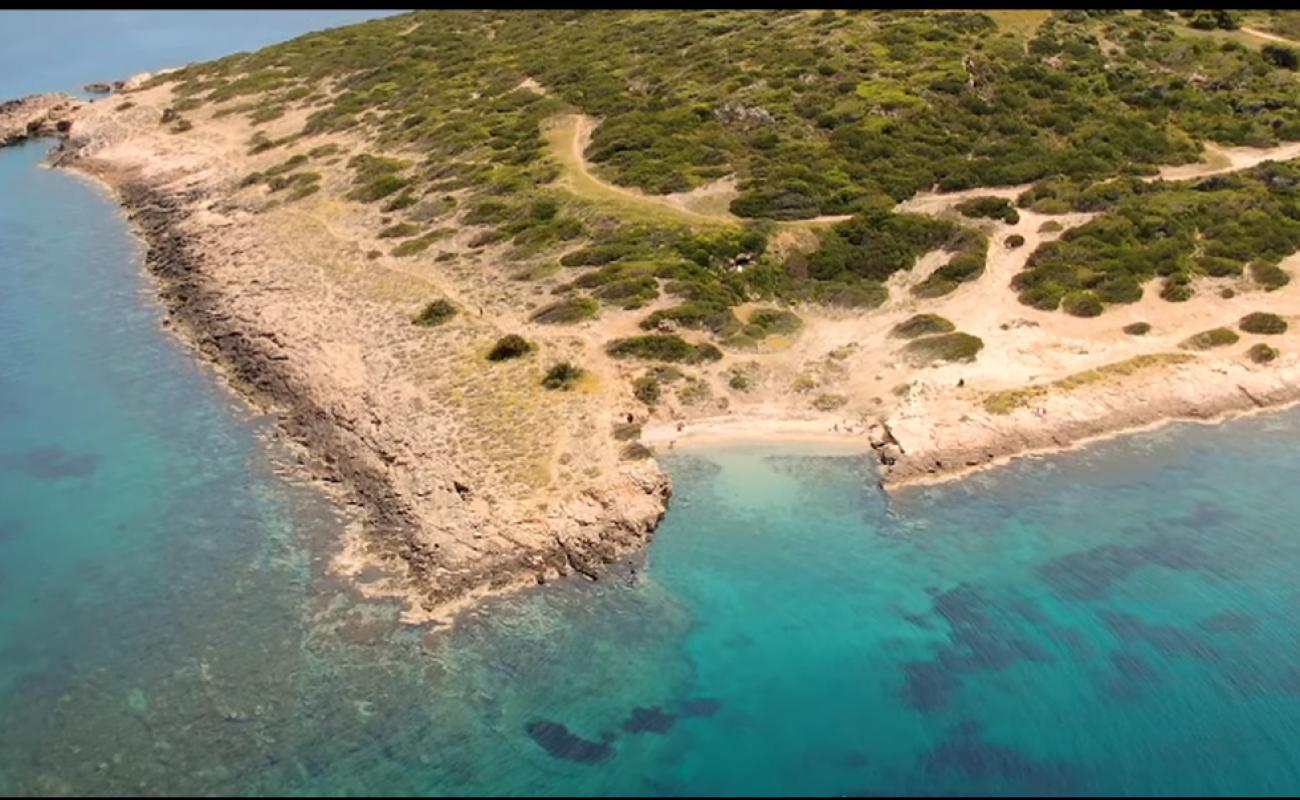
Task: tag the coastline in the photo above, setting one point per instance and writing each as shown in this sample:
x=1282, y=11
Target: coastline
x=429, y=566
x=715, y=431
x=298, y=323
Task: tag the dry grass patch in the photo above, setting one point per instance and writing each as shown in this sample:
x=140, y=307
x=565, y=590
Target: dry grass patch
x=1007, y=400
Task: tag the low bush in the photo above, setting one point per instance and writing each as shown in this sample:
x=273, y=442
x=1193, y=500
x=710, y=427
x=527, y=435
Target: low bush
x=1270, y=276
x=1137, y=328
x=399, y=231
x=1215, y=337
x=775, y=321
x=1262, y=353
x=990, y=207
x=435, y=313
x=562, y=376
x=922, y=325
x=662, y=347
x=1082, y=304
x=955, y=347
x=510, y=346
x=566, y=312
x=1262, y=322
x=646, y=389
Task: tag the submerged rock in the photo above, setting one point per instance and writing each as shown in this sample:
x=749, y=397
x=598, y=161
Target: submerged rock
x=559, y=742
x=649, y=720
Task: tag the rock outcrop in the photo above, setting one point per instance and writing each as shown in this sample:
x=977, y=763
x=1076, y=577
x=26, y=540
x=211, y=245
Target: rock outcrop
x=35, y=116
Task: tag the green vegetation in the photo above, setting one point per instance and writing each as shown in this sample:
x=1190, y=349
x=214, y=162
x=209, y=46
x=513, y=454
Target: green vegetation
x=1215, y=337
x=1262, y=353
x=399, y=231
x=646, y=389
x=956, y=347
x=1270, y=276
x=829, y=402
x=567, y=312
x=990, y=207
x=1213, y=227
x=1082, y=304
x=922, y=325
x=966, y=265
x=436, y=313
x=512, y=345
x=813, y=113
x=1262, y=322
x=770, y=321
x=662, y=347
x=817, y=113
x=563, y=376
x=1014, y=240
x=375, y=177
x=1137, y=328
x=420, y=244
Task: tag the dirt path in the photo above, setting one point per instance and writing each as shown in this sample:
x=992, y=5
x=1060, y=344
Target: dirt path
x=1272, y=37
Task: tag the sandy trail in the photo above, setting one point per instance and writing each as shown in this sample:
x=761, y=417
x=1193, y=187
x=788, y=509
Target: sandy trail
x=1272, y=37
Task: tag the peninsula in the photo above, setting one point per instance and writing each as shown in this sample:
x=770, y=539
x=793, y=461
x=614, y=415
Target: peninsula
x=483, y=266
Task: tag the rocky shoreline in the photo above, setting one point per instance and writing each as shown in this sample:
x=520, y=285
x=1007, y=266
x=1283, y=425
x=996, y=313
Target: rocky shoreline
x=36, y=116
x=587, y=534
x=938, y=444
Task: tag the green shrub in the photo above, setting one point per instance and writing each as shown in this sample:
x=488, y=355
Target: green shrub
x=715, y=318
x=829, y=402
x=646, y=389
x=1284, y=57
x=957, y=347
x=536, y=272
x=1215, y=337
x=1262, y=322
x=399, y=231
x=1082, y=304
x=1262, y=353
x=1270, y=276
x=1137, y=328
x=1014, y=240
x=662, y=347
x=413, y=246
x=563, y=376
x=435, y=313
x=858, y=294
x=566, y=312
x=922, y=325
x=1177, y=289
x=990, y=207
x=510, y=346
x=775, y=321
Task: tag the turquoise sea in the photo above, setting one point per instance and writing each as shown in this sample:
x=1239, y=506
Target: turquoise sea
x=1120, y=620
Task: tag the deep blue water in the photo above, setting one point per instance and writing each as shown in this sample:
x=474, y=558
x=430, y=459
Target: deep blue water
x=1118, y=620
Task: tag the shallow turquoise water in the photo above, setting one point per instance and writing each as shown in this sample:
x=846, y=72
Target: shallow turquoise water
x=1118, y=620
